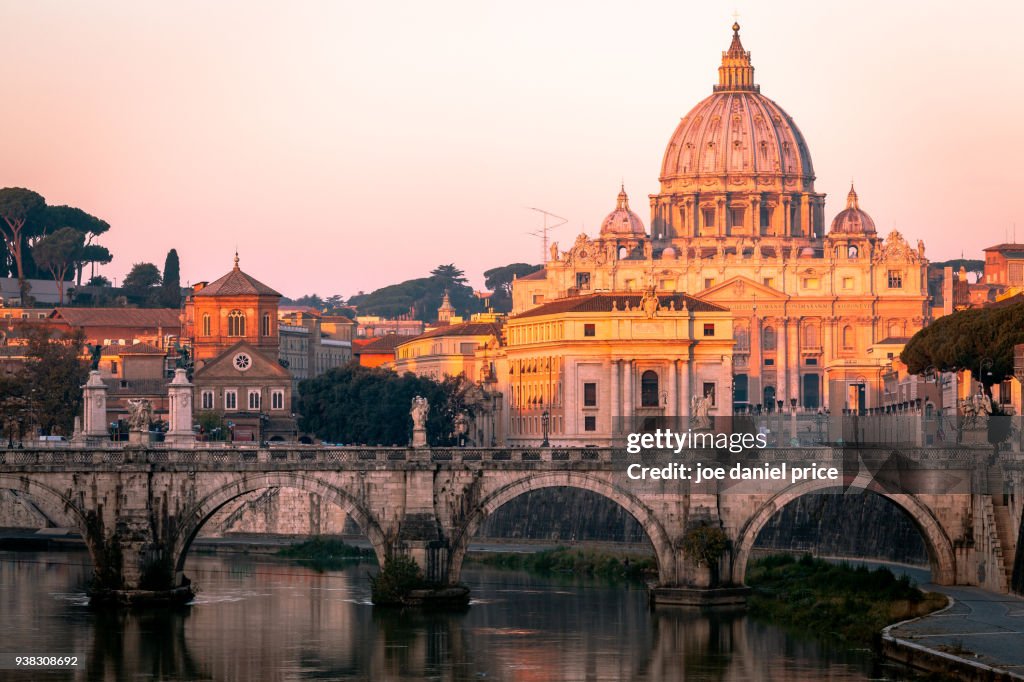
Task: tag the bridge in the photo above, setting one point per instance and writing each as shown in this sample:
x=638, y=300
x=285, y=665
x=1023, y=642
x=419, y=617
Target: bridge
x=139, y=507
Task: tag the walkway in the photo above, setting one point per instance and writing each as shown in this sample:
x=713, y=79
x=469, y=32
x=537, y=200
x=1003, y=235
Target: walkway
x=980, y=627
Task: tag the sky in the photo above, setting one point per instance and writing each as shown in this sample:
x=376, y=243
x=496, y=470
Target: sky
x=342, y=146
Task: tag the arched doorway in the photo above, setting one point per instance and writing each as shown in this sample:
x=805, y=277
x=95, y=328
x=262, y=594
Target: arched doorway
x=811, y=391
x=769, y=398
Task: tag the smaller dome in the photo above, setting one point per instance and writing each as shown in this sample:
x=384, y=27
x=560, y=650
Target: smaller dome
x=622, y=222
x=669, y=254
x=852, y=220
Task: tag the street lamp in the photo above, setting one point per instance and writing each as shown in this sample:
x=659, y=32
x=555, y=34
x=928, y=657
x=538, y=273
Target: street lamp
x=545, y=422
x=984, y=364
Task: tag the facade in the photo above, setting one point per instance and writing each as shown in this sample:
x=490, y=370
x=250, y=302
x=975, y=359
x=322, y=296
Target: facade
x=372, y=326
x=233, y=328
x=738, y=224
x=377, y=351
x=311, y=343
x=450, y=350
x=1004, y=264
x=578, y=368
x=159, y=327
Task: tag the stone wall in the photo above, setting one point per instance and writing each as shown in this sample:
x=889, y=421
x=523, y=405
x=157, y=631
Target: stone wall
x=17, y=511
x=279, y=511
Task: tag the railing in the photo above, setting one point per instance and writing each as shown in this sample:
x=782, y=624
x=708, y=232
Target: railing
x=328, y=458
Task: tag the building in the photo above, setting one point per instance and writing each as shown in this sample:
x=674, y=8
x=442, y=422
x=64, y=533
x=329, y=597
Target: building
x=1004, y=264
x=584, y=369
x=160, y=327
x=232, y=324
x=377, y=351
x=450, y=350
x=312, y=343
x=739, y=225
x=372, y=325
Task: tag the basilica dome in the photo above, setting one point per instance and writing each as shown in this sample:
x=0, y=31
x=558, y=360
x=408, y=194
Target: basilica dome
x=852, y=220
x=737, y=139
x=622, y=222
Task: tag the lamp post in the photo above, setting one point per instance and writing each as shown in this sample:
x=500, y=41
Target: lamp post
x=545, y=422
x=984, y=364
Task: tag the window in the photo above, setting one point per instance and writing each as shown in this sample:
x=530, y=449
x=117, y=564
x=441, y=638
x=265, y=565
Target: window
x=811, y=362
x=769, y=282
x=206, y=400
x=590, y=423
x=709, y=329
x=847, y=282
x=852, y=252
x=113, y=366
x=810, y=336
x=583, y=280
x=769, y=338
x=236, y=323
x=277, y=399
x=589, y=330
x=736, y=217
x=742, y=338
x=206, y=324
x=254, y=399
x=848, y=337
x=230, y=399
x=649, y=389
x=710, y=393
x=538, y=299
x=266, y=325
x=769, y=362
x=812, y=283
x=1015, y=271
x=589, y=395
x=467, y=348
x=709, y=217
x=709, y=282
x=895, y=279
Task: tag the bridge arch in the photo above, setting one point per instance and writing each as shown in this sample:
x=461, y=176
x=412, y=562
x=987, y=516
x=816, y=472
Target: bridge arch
x=55, y=506
x=530, y=482
x=940, y=548
x=194, y=519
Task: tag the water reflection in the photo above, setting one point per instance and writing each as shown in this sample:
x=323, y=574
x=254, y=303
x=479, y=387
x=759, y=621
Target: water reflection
x=257, y=619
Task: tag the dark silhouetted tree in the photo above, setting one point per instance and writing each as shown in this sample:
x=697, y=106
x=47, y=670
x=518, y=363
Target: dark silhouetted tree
x=170, y=290
x=499, y=280
x=20, y=218
x=59, y=252
x=141, y=282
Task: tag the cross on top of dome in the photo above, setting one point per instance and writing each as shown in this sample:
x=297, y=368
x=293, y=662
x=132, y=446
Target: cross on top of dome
x=736, y=71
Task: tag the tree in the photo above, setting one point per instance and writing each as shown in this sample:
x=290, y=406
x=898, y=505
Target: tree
x=449, y=275
x=20, y=211
x=140, y=282
x=420, y=298
x=90, y=226
x=98, y=281
x=965, y=339
x=170, y=291
x=499, y=280
x=58, y=252
x=53, y=378
x=354, y=404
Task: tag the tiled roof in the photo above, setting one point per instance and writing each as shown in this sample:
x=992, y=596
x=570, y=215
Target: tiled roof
x=602, y=303
x=236, y=283
x=461, y=329
x=120, y=317
x=895, y=340
x=379, y=344
x=1005, y=247
x=133, y=349
x=539, y=274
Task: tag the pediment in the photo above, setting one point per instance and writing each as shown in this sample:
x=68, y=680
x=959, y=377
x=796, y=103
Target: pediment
x=740, y=288
x=223, y=366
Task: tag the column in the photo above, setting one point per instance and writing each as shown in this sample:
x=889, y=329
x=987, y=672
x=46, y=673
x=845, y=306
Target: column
x=785, y=216
x=827, y=354
x=794, y=359
x=179, y=398
x=685, y=371
x=94, y=410
x=755, y=365
x=672, y=408
x=613, y=396
x=627, y=389
x=755, y=216
x=782, y=359
x=805, y=213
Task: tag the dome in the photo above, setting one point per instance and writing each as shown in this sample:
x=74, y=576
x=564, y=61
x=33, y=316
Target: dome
x=622, y=222
x=852, y=220
x=737, y=136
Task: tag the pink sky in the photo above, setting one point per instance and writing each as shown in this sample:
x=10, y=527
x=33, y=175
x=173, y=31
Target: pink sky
x=343, y=146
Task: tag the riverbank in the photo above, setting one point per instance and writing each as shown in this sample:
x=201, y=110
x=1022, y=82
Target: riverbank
x=597, y=563
x=837, y=600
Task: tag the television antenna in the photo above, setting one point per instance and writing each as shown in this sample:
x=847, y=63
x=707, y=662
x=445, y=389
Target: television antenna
x=543, y=231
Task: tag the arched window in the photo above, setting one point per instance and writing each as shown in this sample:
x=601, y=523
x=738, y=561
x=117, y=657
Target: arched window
x=266, y=324
x=810, y=336
x=649, y=389
x=848, y=337
x=742, y=338
x=769, y=338
x=852, y=252
x=895, y=328
x=206, y=324
x=236, y=323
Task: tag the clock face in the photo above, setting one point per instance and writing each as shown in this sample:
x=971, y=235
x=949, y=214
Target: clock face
x=242, y=362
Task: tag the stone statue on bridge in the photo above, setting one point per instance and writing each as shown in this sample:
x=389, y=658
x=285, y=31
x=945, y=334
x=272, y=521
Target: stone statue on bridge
x=140, y=414
x=420, y=409
x=976, y=410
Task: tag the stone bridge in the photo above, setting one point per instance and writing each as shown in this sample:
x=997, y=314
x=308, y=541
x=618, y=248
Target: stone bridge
x=140, y=507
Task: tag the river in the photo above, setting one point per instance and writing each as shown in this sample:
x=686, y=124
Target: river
x=259, y=619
